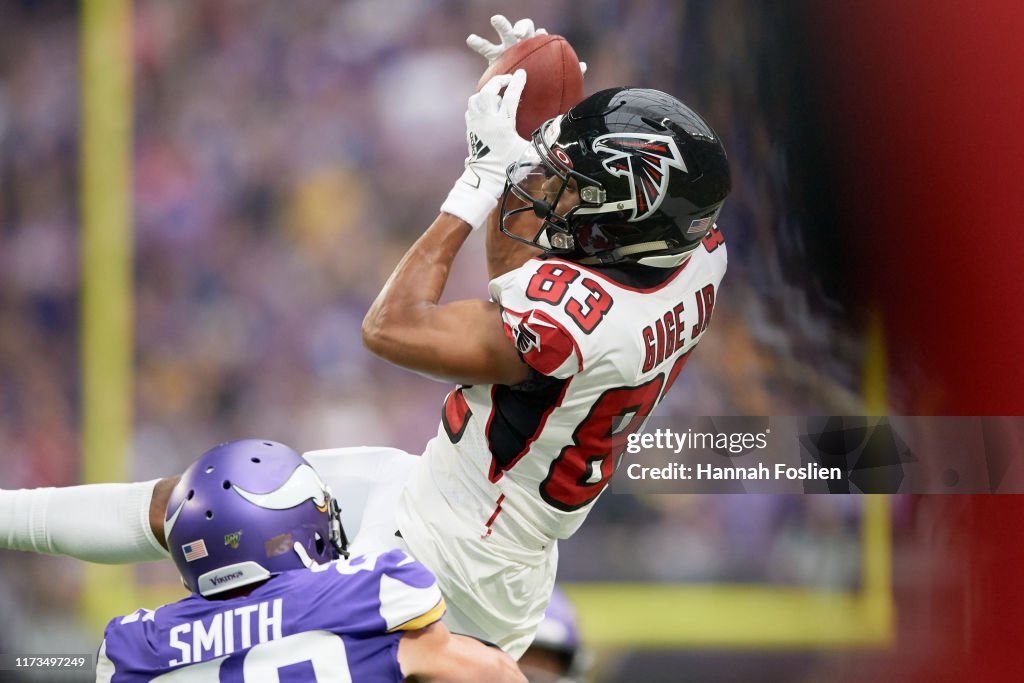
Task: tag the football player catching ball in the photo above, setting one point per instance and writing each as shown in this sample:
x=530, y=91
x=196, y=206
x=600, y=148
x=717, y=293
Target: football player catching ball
x=606, y=263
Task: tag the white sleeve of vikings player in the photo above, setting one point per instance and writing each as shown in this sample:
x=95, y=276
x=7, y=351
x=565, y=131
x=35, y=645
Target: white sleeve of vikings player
x=104, y=667
x=531, y=300
x=51, y=520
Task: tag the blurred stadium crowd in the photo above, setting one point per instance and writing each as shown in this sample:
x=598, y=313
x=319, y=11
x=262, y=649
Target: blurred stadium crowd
x=284, y=160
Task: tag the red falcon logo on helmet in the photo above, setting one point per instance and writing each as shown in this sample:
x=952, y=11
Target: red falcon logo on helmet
x=646, y=160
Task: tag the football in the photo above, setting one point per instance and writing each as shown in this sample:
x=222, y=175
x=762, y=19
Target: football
x=553, y=79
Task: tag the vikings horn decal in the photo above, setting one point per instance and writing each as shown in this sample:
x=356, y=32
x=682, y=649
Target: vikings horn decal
x=645, y=160
x=302, y=485
x=173, y=519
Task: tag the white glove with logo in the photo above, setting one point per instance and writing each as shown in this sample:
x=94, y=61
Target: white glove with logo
x=493, y=145
x=509, y=35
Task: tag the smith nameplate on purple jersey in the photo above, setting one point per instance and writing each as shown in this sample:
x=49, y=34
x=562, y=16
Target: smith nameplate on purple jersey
x=336, y=623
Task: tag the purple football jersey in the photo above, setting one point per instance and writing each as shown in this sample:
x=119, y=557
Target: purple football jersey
x=336, y=623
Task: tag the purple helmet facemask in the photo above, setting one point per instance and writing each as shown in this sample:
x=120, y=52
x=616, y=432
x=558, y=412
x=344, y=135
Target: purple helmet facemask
x=238, y=511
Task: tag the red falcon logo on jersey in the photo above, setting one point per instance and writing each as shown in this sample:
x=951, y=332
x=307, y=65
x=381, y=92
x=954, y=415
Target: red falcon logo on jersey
x=646, y=161
x=526, y=339
x=542, y=341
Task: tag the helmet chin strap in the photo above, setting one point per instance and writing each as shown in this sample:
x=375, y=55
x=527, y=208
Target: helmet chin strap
x=658, y=261
x=665, y=260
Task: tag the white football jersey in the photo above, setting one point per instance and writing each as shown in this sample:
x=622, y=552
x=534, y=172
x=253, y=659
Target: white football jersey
x=524, y=464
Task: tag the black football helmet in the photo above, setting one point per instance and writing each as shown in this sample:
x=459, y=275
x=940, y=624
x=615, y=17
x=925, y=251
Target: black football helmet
x=650, y=174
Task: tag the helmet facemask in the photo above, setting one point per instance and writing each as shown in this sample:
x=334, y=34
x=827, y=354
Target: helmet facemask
x=336, y=536
x=542, y=180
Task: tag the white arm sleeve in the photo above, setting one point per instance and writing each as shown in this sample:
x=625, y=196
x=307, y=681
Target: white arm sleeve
x=104, y=667
x=106, y=523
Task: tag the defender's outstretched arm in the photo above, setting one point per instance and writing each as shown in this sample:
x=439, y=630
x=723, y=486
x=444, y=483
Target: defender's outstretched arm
x=107, y=523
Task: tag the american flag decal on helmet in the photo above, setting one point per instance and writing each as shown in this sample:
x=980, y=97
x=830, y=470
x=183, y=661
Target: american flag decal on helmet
x=699, y=226
x=646, y=161
x=196, y=550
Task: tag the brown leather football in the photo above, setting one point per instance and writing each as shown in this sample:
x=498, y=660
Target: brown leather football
x=553, y=79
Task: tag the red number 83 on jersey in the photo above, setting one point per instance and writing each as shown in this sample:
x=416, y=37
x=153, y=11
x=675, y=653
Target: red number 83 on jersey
x=550, y=284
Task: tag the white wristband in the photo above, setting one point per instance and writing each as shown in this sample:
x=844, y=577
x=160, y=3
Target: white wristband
x=106, y=523
x=472, y=199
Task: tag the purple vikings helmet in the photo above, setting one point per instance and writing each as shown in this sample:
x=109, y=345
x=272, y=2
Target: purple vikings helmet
x=237, y=512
